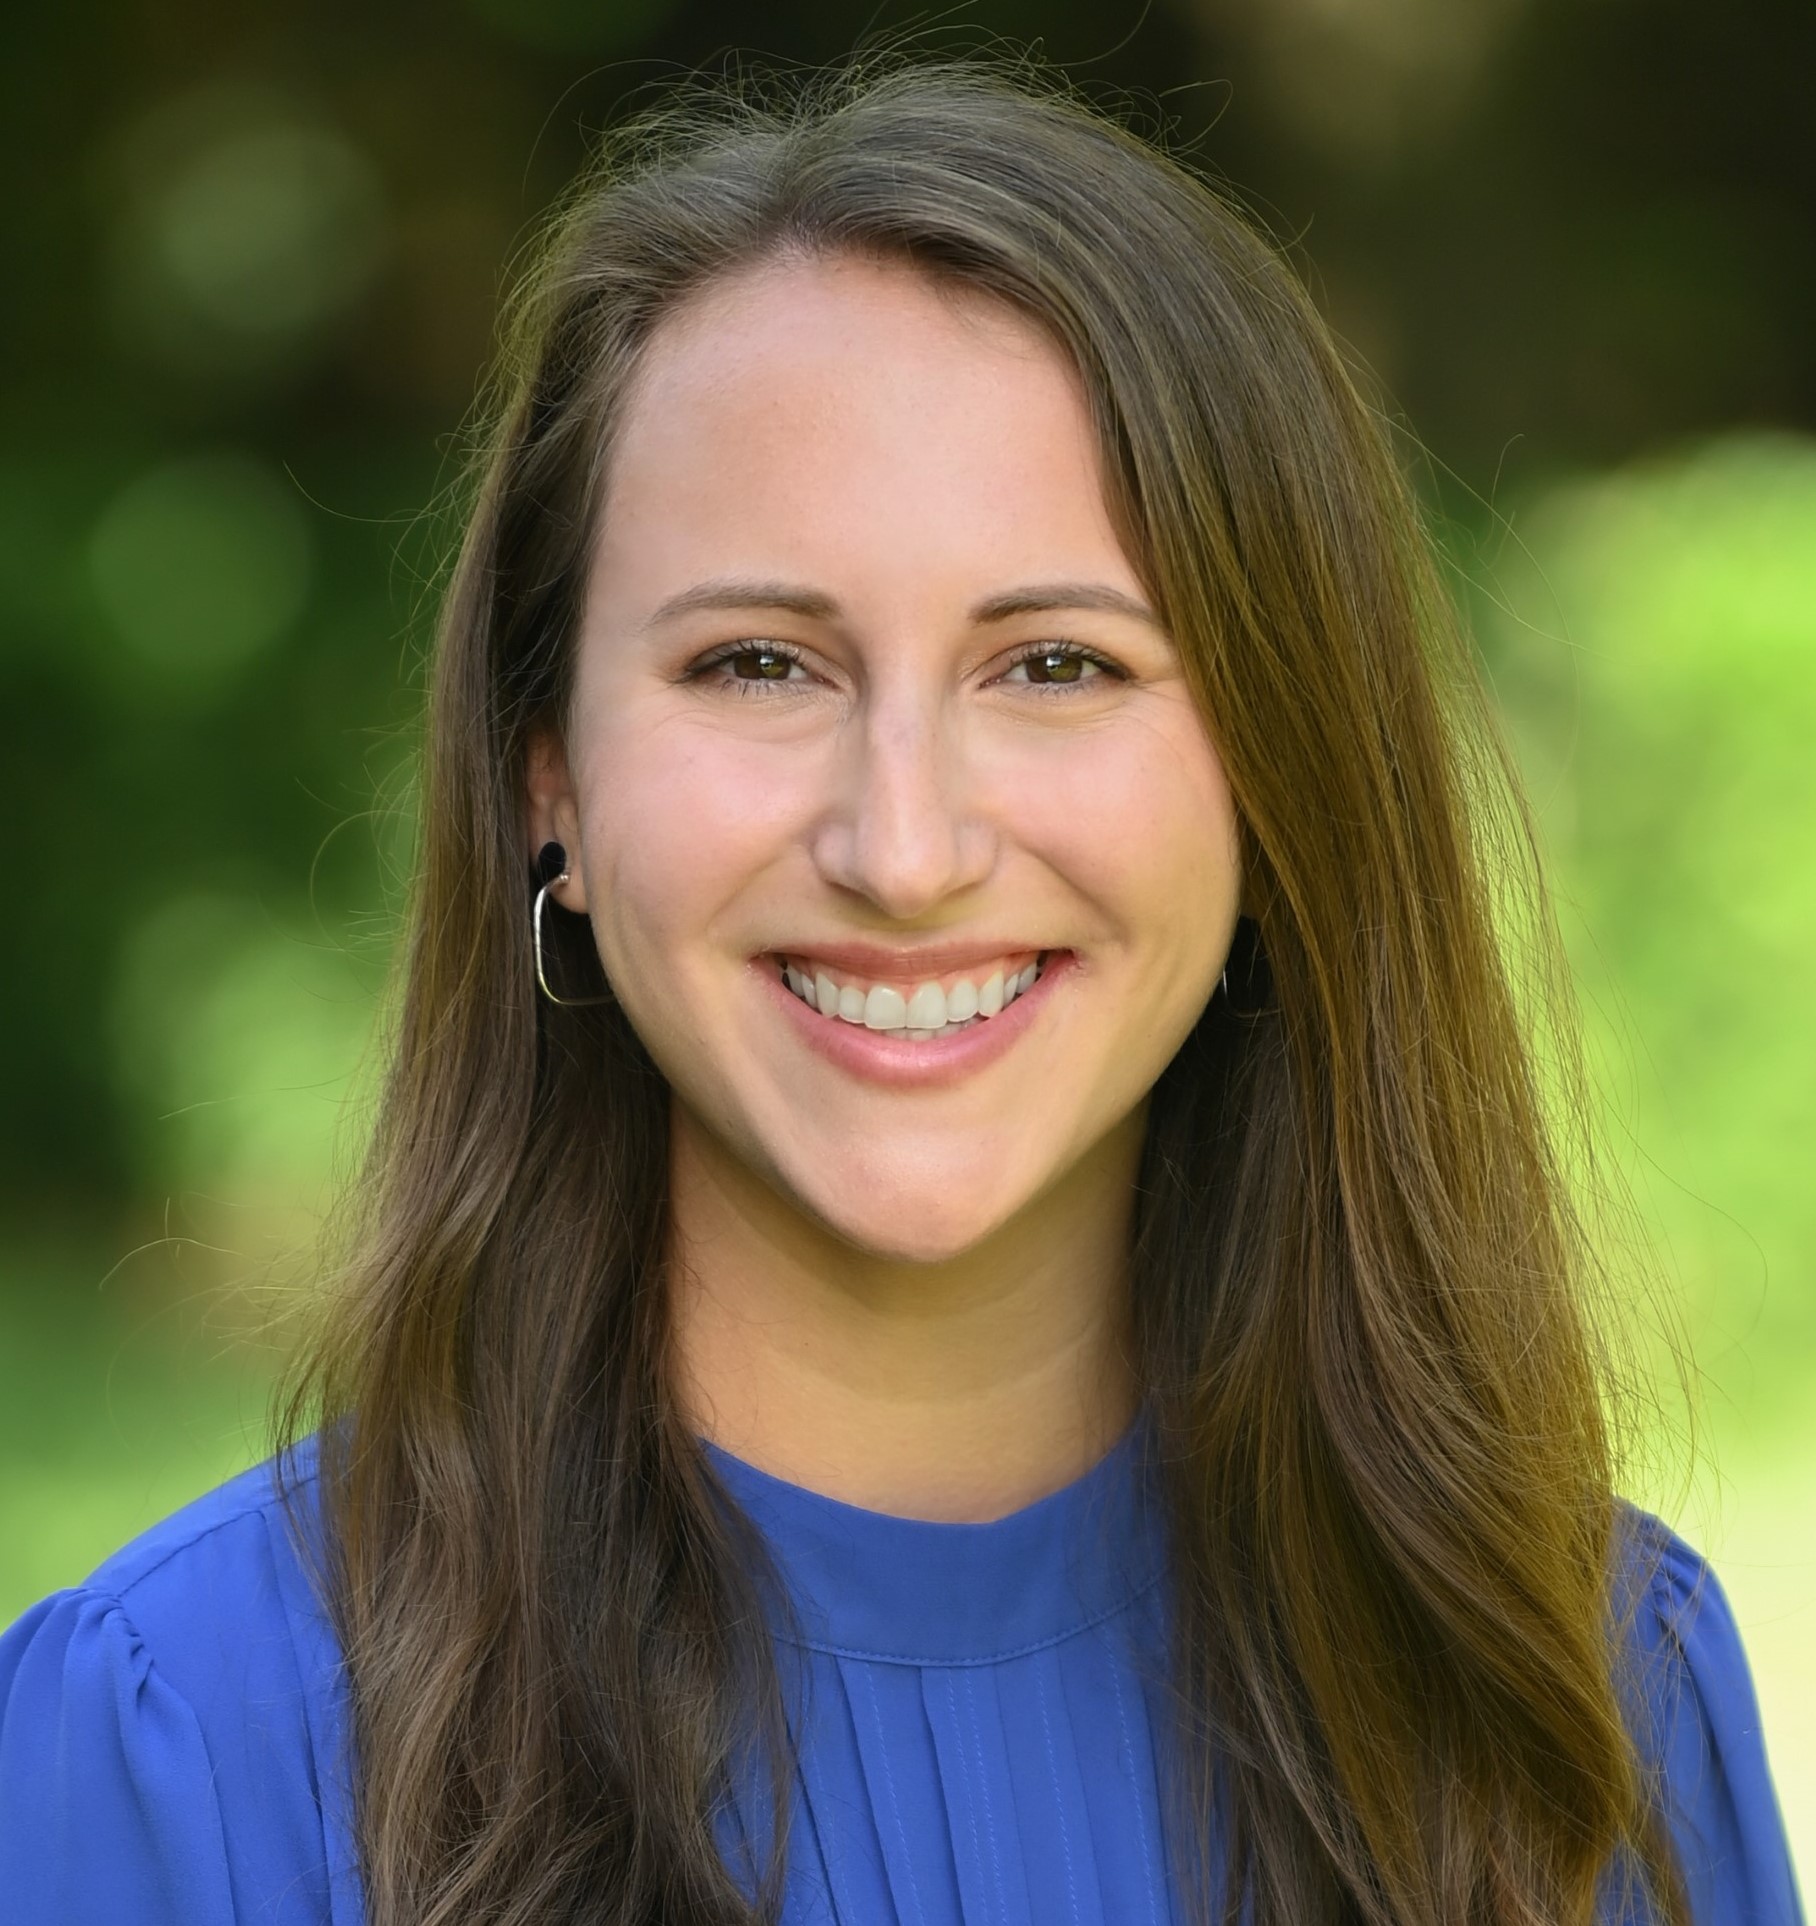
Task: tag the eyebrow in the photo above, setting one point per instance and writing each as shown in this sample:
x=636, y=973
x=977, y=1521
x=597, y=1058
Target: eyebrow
x=1042, y=596
x=816, y=606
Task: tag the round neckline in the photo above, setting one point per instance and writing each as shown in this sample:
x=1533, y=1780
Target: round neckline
x=872, y=1585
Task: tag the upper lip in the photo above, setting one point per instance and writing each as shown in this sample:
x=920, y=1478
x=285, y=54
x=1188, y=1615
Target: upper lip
x=883, y=961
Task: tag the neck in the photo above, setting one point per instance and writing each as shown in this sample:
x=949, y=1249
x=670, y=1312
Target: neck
x=958, y=1390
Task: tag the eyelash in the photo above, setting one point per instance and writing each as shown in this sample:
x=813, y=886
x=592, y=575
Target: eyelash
x=745, y=686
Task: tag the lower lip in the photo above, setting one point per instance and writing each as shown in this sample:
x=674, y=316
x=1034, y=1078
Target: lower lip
x=882, y=1057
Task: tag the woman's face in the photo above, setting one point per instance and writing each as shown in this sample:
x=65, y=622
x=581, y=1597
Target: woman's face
x=870, y=715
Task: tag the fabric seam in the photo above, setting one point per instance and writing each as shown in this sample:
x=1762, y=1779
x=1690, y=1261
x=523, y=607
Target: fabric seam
x=993, y=1658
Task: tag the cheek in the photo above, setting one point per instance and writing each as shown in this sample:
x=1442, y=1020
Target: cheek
x=678, y=822
x=1141, y=818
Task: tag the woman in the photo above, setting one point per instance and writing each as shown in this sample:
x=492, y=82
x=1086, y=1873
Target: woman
x=964, y=1308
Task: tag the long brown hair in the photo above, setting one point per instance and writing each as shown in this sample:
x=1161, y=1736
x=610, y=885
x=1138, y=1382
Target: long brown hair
x=1359, y=1272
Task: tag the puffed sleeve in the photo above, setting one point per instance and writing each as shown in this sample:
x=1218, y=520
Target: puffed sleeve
x=1703, y=1728
x=108, y=1812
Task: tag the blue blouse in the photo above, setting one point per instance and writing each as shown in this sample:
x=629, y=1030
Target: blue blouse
x=973, y=1705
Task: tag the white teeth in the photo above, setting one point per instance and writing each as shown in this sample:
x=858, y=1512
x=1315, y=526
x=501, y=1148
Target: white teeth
x=925, y=1014
x=884, y=1008
x=927, y=1008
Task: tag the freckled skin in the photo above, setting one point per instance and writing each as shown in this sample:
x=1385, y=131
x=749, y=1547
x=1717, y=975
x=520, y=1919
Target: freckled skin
x=905, y=454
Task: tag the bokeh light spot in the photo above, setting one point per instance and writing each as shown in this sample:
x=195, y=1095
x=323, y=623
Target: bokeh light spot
x=236, y=1046
x=243, y=228
x=271, y=229
x=202, y=563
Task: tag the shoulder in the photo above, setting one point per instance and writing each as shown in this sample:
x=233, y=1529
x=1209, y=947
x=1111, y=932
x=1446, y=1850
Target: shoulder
x=185, y=1702
x=1669, y=1590
x=1683, y=1645
x=211, y=1577
x=216, y=1531
x=1690, y=1696
x=221, y=1594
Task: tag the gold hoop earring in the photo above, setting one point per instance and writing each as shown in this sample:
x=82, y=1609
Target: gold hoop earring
x=553, y=856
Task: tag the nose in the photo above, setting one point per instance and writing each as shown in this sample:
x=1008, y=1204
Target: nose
x=902, y=830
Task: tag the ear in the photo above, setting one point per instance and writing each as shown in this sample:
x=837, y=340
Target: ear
x=553, y=813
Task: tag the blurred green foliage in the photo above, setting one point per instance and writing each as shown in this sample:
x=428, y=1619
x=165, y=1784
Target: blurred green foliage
x=107, y=1420
x=253, y=268
x=1652, y=635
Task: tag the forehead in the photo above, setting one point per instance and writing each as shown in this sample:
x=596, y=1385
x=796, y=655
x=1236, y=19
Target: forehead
x=797, y=309
x=836, y=388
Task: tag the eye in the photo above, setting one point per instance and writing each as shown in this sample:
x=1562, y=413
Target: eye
x=748, y=666
x=1063, y=665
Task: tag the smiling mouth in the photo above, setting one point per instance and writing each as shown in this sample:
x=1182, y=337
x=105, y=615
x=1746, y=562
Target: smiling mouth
x=922, y=1013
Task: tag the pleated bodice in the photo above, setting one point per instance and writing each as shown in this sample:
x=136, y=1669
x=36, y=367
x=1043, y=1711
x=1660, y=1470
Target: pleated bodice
x=973, y=1706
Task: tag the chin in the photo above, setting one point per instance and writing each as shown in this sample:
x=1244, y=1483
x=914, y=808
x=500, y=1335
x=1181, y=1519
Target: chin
x=922, y=1226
